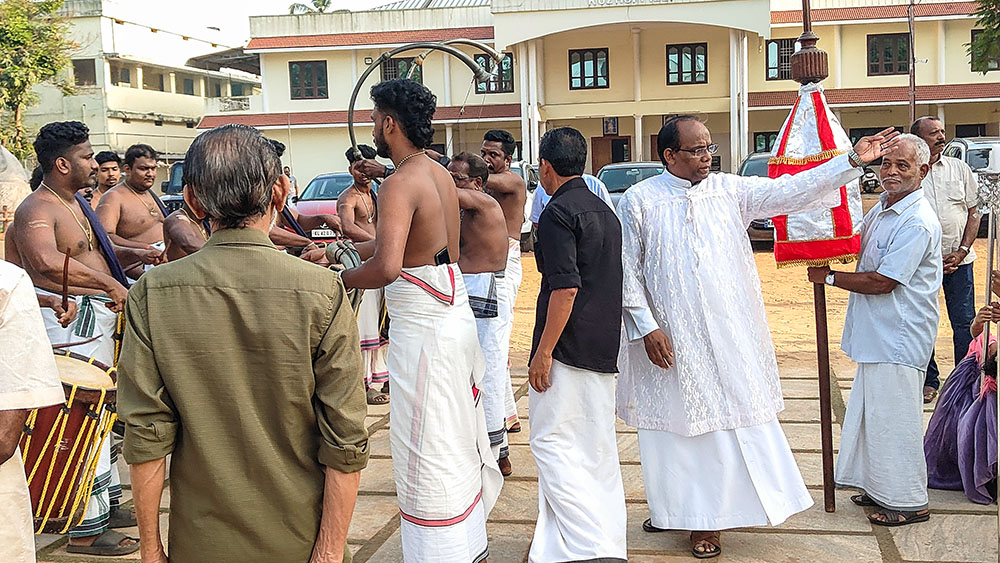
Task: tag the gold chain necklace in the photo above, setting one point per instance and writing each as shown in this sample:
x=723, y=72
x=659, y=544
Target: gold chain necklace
x=89, y=232
x=408, y=157
x=201, y=227
x=152, y=210
x=371, y=216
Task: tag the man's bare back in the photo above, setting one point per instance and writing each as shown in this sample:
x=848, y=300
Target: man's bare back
x=509, y=191
x=131, y=215
x=484, y=233
x=426, y=188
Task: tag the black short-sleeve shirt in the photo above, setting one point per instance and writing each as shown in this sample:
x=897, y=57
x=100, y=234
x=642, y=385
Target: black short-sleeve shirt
x=580, y=245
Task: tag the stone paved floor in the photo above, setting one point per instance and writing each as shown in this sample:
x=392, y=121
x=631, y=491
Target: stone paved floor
x=959, y=531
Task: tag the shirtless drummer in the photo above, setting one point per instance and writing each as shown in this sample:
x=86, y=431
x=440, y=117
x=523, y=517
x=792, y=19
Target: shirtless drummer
x=358, y=212
x=130, y=212
x=483, y=260
x=446, y=479
x=49, y=221
x=509, y=190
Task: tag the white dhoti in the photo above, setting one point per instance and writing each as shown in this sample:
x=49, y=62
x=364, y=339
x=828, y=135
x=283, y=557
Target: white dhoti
x=722, y=479
x=373, y=346
x=512, y=275
x=93, y=319
x=581, y=500
x=17, y=538
x=881, y=445
x=488, y=297
x=446, y=478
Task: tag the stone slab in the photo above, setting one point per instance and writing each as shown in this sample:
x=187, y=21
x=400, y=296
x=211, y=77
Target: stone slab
x=379, y=410
x=800, y=410
x=755, y=547
x=847, y=518
x=808, y=436
x=371, y=514
x=800, y=388
x=378, y=443
x=518, y=502
x=390, y=552
x=669, y=543
x=509, y=543
x=628, y=447
x=811, y=467
x=635, y=489
x=949, y=537
x=43, y=541
x=377, y=477
x=522, y=462
x=522, y=407
x=523, y=436
x=956, y=500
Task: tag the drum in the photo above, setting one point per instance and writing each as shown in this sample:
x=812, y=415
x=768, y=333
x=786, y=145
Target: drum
x=61, y=443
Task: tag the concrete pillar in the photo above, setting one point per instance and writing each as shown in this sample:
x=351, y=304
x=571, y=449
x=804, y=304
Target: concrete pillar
x=835, y=56
x=738, y=111
x=104, y=76
x=354, y=67
x=637, y=66
x=941, y=67
x=522, y=65
x=940, y=114
x=449, y=140
x=639, y=152
x=446, y=68
x=172, y=83
x=533, y=101
x=540, y=68
x=138, y=77
x=202, y=89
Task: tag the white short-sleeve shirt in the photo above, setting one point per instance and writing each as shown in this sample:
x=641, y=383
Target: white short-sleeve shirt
x=951, y=189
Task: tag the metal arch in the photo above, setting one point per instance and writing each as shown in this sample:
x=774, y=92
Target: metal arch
x=478, y=72
x=493, y=53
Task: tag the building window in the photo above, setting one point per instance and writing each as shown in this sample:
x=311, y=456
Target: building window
x=218, y=90
x=308, y=80
x=189, y=86
x=504, y=81
x=687, y=64
x=763, y=142
x=84, y=72
x=994, y=63
x=779, y=59
x=973, y=130
x=588, y=69
x=399, y=68
x=237, y=89
x=888, y=54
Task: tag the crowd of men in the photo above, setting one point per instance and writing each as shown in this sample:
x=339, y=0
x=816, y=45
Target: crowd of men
x=254, y=371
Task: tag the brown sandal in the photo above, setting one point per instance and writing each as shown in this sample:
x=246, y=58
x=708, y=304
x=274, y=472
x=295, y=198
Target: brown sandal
x=713, y=539
x=376, y=397
x=892, y=517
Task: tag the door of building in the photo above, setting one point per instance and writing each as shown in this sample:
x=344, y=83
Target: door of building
x=609, y=149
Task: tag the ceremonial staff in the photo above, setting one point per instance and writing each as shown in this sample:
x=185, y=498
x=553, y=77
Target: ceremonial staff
x=810, y=64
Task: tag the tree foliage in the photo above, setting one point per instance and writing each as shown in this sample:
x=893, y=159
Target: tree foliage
x=986, y=46
x=318, y=7
x=34, y=49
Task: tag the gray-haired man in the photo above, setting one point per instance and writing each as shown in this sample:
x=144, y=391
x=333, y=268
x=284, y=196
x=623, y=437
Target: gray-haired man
x=244, y=363
x=891, y=324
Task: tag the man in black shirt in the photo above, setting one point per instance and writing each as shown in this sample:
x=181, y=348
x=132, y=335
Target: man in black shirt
x=574, y=356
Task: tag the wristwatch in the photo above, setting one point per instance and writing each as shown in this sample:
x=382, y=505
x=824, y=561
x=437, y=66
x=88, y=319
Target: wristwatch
x=855, y=159
x=831, y=279
x=965, y=248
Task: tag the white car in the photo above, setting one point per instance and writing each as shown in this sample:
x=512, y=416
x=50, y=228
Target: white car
x=529, y=173
x=974, y=151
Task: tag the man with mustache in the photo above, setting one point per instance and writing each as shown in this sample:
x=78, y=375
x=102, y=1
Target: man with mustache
x=951, y=189
x=108, y=175
x=889, y=330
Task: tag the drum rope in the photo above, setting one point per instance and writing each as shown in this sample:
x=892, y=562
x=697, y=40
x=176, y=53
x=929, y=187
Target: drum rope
x=94, y=422
x=29, y=426
x=62, y=475
x=61, y=419
x=88, y=474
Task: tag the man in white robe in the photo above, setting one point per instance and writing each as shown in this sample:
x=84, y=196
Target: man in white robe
x=28, y=380
x=699, y=378
x=890, y=328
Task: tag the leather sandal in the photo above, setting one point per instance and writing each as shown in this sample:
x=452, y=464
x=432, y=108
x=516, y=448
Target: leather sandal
x=713, y=539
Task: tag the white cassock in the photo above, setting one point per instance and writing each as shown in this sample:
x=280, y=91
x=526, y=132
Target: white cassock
x=713, y=455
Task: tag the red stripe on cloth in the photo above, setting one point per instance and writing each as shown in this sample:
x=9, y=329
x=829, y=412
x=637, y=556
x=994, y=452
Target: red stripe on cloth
x=781, y=222
x=826, y=140
x=842, y=226
x=813, y=250
x=441, y=523
x=442, y=297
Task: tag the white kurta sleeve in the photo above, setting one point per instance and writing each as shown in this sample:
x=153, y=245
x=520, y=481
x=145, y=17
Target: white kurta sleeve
x=639, y=320
x=809, y=190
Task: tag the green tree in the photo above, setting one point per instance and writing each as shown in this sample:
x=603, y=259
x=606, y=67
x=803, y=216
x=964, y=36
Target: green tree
x=33, y=50
x=318, y=7
x=985, y=48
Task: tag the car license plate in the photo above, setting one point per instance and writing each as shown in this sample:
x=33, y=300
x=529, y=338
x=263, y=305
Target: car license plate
x=323, y=233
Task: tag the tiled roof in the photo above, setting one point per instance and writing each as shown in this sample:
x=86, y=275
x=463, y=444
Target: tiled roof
x=875, y=12
x=889, y=94
x=372, y=38
x=362, y=117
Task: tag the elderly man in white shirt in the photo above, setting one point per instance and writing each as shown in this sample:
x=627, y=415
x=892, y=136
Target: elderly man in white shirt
x=889, y=330
x=951, y=189
x=699, y=378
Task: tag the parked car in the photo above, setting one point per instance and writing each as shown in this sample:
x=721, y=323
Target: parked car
x=173, y=187
x=529, y=173
x=974, y=151
x=621, y=176
x=760, y=230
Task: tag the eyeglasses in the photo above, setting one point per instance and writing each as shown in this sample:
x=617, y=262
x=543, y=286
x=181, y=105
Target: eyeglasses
x=702, y=151
x=458, y=178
